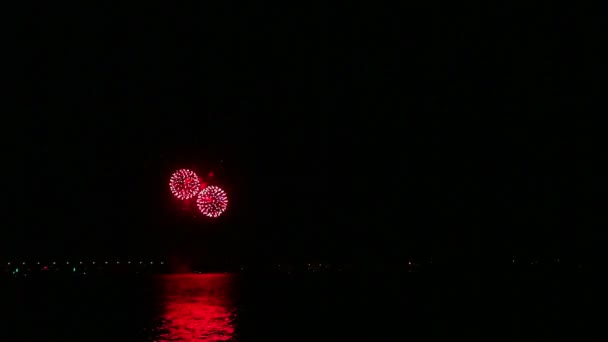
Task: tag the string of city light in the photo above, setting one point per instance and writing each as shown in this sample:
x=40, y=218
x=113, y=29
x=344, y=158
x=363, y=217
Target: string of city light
x=23, y=263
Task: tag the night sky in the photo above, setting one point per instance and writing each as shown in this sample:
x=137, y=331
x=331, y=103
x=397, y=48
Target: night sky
x=340, y=133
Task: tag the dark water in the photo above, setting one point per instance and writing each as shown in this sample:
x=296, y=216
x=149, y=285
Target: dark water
x=225, y=307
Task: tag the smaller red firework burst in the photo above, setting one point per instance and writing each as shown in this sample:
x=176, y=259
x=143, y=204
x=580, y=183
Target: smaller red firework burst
x=184, y=184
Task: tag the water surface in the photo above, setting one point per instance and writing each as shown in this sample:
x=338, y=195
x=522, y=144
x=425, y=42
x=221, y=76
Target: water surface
x=304, y=307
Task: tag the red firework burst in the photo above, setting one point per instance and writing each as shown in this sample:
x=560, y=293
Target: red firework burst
x=184, y=184
x=212, y=201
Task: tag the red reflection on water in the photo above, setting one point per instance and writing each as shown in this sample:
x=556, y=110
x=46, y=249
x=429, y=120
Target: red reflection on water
x=197, y=308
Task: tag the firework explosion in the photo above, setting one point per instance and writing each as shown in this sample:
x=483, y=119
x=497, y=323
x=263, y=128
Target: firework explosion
x=212, y=201
x=184, y=184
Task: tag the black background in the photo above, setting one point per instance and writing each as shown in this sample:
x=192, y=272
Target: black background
x=341, y=133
